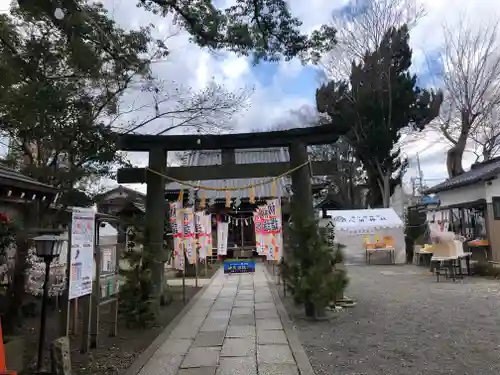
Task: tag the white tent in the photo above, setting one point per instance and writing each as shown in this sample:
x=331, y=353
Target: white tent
x=352, y=227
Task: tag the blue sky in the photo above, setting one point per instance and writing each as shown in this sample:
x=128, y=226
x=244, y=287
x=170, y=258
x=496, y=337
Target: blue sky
x=303, y=84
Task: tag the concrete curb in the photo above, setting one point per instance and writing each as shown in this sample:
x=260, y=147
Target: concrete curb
x=146, y=355
x=298, y=352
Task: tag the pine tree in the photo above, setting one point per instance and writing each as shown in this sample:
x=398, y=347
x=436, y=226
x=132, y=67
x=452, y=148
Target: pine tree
x=137, y=303
x=380, y=100
x=312, y=271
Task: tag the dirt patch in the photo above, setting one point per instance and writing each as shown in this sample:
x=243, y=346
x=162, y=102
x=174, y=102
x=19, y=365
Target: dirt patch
x=113, y=354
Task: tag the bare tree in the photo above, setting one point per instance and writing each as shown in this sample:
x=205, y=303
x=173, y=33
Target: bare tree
x=361, y=25
x=179, y=108
x=470, y=79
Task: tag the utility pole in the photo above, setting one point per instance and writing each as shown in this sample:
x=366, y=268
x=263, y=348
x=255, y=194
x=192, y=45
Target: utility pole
x=420, y=176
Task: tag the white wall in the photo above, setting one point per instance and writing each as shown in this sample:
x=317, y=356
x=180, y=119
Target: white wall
x=463, y=195
x=492, y=190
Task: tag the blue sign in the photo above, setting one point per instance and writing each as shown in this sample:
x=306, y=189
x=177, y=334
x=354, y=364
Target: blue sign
x=239, y=266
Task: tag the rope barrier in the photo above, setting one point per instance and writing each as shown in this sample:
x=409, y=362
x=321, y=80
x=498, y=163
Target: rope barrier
x=234, y=188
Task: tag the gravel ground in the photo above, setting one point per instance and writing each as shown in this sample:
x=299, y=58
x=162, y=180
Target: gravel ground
x=407, y=324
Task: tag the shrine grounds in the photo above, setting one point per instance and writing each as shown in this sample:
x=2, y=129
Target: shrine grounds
x=405, y=323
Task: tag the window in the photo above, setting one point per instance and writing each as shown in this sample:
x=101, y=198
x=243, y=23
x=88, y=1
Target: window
x=496, y=208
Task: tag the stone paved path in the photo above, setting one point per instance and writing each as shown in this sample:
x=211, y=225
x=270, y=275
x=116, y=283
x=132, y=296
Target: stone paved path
x=233, y=329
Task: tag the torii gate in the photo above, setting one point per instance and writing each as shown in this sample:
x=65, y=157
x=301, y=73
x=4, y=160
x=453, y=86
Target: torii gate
x=157, y=146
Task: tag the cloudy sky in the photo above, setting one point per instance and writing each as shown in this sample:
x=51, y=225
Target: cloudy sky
x=281, y=87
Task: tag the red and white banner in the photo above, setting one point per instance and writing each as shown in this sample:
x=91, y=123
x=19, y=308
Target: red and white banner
x=189, y=235
x=259, y=235
x=176, y=224
x=272, y=229
x=203, y=224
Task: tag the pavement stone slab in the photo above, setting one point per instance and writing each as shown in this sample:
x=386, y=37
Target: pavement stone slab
x=174, y=346
x=162, y=365
x=182, y=332
x=277, y=369
x=242, y=320
x=238, y=347
x=244, y=297
x=271, y=337
x=213, y=327
x=201, y=357
x=214, y=338
x=237, y=366
x=265, y=306
x=266, y=314
x=269, y=324
x=242, y=311
x=244, y=303
x=219, y=314
x=222, y=306
x=198, y=371
x=274, y=354
x=239, y=331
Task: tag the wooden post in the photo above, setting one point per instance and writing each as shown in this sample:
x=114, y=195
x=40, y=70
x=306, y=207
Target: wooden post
x=114, y=305
x=196, y=258
x=96, y=291
x=301, y=179
x=184, y=275
x=86, y=313
x=65, y=303
x=155, y=215
x=76, y=315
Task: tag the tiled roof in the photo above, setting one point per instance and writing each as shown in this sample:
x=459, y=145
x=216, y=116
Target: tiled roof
x=242, y=156
x=478, y=172
x=30, y=183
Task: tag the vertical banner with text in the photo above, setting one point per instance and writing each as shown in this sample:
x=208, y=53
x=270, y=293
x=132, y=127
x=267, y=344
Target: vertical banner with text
x=176, y=224
x=189, y=235
x=208, y=233
x=222, y=233
x=271, y=216
x=201, y=233
x=259, y=240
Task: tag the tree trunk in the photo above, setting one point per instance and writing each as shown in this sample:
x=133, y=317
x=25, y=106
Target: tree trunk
x=486, y=153
x=455, y=154
x=310, y=309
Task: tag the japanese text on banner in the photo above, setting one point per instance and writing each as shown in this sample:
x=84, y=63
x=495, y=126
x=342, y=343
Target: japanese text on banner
x=204, y=232
x=259, y=240
x=271, y=216
x=208, y=234
x=222, y=233
x=189, y=235
x=177, y=227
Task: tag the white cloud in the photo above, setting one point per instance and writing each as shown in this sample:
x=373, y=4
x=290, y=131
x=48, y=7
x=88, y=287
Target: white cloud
x=189, y=65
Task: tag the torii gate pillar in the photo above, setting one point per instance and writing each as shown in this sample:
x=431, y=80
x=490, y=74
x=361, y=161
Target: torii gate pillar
x=155, y=216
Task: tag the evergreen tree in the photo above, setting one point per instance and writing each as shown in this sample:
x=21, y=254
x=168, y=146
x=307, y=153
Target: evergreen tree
x=380, y=100
x=138, y=304
x=312, y=269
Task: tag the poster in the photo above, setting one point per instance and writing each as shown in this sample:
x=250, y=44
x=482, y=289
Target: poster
x=222, y=232
x=189, y=235
x=177, y=227
x=82, y=252
x=259, y=240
